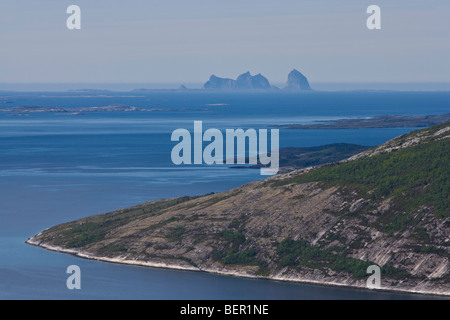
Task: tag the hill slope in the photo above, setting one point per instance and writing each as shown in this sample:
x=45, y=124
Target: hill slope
x=388, y=206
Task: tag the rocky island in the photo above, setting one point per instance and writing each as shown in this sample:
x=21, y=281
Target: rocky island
x=244, y=82
x=296, y=82
x=387, y=206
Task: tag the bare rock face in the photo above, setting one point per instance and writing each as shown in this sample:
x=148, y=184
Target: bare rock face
x=244, y=82
x=260, y=82
x=247, y=81
x=220, y=83
x=297, y=82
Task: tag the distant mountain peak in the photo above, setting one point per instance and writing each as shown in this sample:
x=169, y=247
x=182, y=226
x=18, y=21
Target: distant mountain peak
x=297, y=81
x=245, y=81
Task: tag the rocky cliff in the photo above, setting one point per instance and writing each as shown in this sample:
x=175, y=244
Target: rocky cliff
x=243, y=82
x=220, y=83
x=297, y=82
x=387, y=206
x=249, y=82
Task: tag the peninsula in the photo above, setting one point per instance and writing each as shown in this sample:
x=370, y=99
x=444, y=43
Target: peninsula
x=387, y=206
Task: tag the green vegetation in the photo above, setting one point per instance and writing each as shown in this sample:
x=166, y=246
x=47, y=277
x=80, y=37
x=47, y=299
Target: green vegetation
x=432, y=249
x=84, y=232
x=245, y=257
x=315, y=156
x=393, y=222
x=238, y=222
x=294, y=253
x=176, y=233
x=232, y=254
x=235, y=239
x=113, y=249
x=420, y=234
x=414, y=177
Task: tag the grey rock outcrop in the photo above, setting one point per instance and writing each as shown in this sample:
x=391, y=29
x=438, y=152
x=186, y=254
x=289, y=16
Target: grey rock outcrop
x=220, y=83
x=249, y=82
x=297, y=82
x=244, y=82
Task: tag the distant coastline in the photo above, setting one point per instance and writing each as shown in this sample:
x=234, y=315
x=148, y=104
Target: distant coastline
x=319, y=86
x=389, y=121
x=77, y=111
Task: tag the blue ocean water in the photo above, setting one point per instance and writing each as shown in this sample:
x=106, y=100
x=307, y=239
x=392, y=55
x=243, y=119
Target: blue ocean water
x=60, y=167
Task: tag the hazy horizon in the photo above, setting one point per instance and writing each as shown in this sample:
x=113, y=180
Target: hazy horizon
x=130, y=86
x=175, y=41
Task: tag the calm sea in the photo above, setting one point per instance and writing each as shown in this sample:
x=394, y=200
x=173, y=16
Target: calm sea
x=60, y=167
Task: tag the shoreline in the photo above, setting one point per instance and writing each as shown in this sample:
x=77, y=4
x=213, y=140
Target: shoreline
x=161, y=265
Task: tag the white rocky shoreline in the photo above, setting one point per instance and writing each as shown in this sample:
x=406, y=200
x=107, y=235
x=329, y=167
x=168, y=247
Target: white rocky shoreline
x=123, y=260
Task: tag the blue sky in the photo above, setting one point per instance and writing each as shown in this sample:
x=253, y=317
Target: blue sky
x=174, y=41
